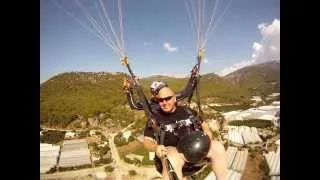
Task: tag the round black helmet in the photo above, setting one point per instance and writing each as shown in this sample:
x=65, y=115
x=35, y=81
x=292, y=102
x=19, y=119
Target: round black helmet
x=194, y=146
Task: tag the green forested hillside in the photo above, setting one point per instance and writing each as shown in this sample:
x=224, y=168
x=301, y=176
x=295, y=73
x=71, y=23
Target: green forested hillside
x=211, y=86
x=258, y=79
x=81, y=95
x=65, y=96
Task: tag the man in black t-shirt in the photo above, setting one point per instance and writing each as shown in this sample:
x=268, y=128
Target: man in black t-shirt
x=175, y=122
x=187, y=91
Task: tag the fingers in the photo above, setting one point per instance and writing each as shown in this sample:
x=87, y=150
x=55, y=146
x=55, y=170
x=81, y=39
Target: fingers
x=126, y=83
x=161, y=151
x=164, y=151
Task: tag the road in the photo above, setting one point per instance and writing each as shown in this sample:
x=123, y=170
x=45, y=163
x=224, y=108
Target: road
x=121, y=167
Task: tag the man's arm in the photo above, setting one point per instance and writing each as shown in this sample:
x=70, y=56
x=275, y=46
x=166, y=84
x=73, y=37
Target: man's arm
x=129, y=92
x=152, y=146
x=149, y=140
x=137, y=105
x=131, y=100
x=190, y=87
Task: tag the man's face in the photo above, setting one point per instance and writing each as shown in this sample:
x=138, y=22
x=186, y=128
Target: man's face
x=167, y=100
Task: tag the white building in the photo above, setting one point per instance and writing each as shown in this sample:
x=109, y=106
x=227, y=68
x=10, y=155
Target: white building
x=262, y=112
x=276, y=103
x=134, y=156
x=48, y=156
x=256, y=98
x=273, y=161
x=267, y=117
x=274, y=94
x=69, y=135
x=241, y=135
x=92, y=132
x=75, y=153
x=151, y=155
x=127, y=134
x=105, y=143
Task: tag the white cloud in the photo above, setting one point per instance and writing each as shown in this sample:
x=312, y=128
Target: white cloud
x=169, y=47
x=236, y=66
x=270, y=42
x=257, y=50
x=267, y=49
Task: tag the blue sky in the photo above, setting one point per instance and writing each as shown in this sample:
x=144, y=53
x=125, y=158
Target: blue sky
x=67, y=46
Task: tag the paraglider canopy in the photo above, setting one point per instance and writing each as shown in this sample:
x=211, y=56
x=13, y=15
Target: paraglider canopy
x=194, y=146
x=102, y=18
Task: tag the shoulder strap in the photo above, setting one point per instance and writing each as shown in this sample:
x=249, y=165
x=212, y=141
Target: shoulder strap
x=196, y=120
x=189, y=111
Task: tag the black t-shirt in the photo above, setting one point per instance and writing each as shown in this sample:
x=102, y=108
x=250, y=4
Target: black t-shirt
x=175, y=125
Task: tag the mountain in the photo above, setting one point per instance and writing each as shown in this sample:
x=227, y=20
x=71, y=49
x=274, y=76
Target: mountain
x=257, y=79
x=71, y=96
x=158, y=78
x=212, y=86
x=68, y=96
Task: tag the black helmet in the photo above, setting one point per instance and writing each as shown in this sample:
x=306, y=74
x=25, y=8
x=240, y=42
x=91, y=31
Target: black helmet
x=194, y=146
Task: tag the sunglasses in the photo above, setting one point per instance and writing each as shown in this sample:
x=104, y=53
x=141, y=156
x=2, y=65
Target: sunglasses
x=164, y=99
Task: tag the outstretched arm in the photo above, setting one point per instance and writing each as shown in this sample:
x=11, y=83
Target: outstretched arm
x=129, y=92
x=189, y=88
x=131, y=100
x=149, y=140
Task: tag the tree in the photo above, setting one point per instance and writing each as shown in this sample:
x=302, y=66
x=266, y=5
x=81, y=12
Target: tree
x=132, y=173
x=130, y=139
x=108, y=169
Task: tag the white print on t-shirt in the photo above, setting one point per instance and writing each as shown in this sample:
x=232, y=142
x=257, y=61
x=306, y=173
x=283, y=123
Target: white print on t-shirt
x=177, y=124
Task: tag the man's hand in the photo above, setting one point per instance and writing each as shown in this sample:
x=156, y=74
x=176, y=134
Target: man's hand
x=161, y=150
x=126, y=84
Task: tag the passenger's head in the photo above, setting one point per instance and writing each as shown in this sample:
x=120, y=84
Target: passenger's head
x=156, y=86
x=167, y=99
x=194, y=146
